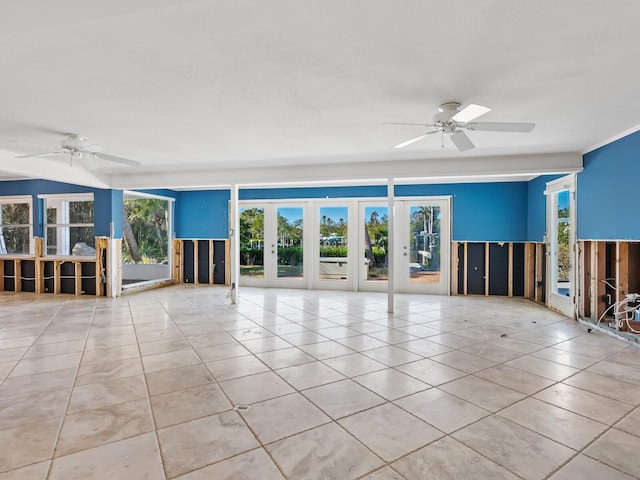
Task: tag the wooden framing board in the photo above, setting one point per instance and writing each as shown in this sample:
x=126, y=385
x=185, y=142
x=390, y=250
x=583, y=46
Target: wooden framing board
x=622, y=270
x=539, y=273
x=530, y=271
x=227, y=256
x=464, y=290
x=211, y=257
x=510, y=272
x=78, y=274
x=454, y=268
x=195, y=262
x=486, y=269
x=585, y=279
x=177, y=260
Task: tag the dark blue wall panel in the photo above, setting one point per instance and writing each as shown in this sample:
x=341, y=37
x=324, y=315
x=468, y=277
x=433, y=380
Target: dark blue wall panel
x=608, y=191
x=202, y=214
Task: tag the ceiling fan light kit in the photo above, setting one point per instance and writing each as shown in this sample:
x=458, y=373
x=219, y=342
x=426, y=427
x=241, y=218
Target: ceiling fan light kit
x=451, y=121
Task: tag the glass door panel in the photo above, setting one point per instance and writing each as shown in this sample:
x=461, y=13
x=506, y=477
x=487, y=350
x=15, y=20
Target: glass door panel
x=424, y=244
x=252, y=242
x=290, y=242
x=374, y=223
x=562, y=256
x=334, y=232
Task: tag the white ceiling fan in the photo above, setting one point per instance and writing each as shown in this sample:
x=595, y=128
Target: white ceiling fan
x=77, y=147
x=451, y=121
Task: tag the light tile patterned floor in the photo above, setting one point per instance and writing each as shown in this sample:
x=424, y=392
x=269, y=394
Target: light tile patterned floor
x=144, y=387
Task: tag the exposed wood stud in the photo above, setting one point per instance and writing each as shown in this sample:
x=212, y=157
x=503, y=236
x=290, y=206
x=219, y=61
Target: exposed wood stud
x=510, y=272
x=210, y=263
x=455, y=265
x=78, y=274
x=486, y=269
x=466, y=267
x=17, y=275
x=195, y=262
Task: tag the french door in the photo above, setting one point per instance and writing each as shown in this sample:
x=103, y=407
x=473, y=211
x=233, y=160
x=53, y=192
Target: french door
x=422, y=239
x=272, y=244
x=343, y=245
x=561, y=227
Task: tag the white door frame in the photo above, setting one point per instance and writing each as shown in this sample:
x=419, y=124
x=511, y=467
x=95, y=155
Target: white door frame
x=363, y=284
x=561, y=303
x=402, y=282
x=351, y=282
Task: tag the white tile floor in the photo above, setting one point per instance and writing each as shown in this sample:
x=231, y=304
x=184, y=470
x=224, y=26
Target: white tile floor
x=143, y=387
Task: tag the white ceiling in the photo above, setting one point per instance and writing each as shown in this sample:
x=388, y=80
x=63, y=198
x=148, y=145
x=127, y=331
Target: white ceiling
x=214, y=92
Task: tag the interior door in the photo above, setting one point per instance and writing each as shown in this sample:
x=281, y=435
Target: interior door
x=561, y=228
x=373, y=233
x=423, y=245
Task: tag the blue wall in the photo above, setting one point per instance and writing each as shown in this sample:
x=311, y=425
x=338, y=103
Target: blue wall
x=500, y=211
x=481, y=211
x=608, y=191
x=312, y=192
x=537, y=208
x=103, y=201
x=202, y=214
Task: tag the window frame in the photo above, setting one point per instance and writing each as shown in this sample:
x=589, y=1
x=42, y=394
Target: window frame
x=59, y=198
x=13, y=199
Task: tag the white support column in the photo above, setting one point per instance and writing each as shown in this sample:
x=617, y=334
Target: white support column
x=390, y=246
x=234, y=238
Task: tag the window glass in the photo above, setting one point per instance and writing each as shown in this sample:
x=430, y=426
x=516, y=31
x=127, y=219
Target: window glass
x=15, y=226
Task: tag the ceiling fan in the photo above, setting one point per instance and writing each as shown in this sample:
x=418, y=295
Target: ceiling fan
x=451, y=121
x=77, y=147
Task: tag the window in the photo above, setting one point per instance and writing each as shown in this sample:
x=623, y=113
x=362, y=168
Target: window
x=69, y=225
x=15, y=225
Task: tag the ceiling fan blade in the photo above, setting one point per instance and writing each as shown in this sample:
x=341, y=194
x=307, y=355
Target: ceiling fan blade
x=470, y=112
x=414, y=140
x=123, y=161
x=413, y=124
x=45, y=154
x=501, y=127
x=93, y=148
x=460, y=140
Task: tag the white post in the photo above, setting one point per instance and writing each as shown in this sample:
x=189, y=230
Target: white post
x=234, y=238
x=390, y=246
